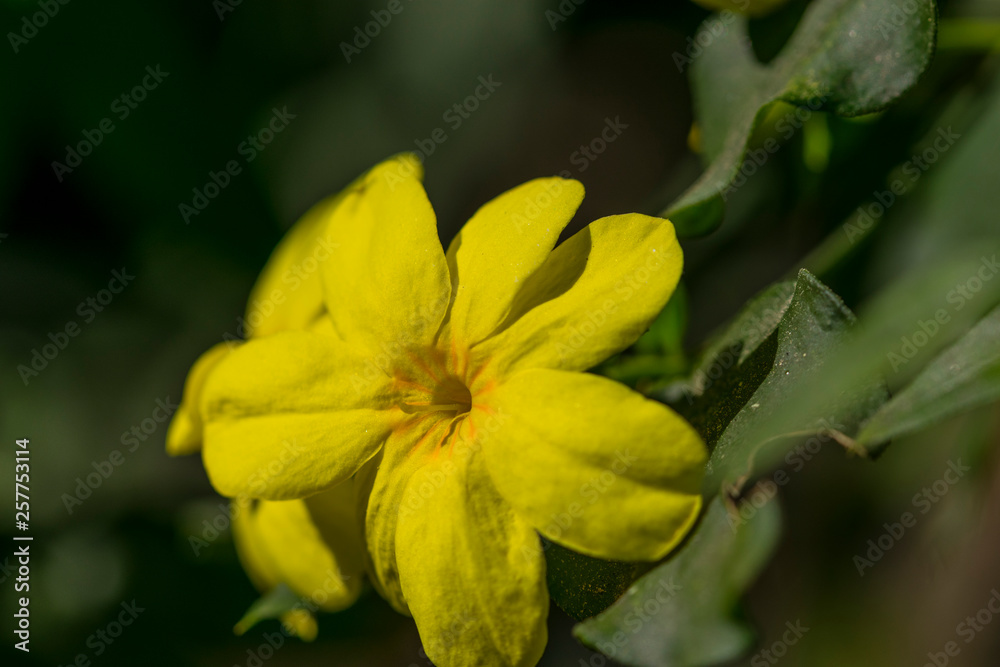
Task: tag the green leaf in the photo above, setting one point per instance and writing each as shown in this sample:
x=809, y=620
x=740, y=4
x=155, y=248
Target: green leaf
x=751, y=327
x=849, y=57
x=872, y=353
x=681, y=613
x=274, y=604
x=659, y=353
x=666, y=333
x=965, y=376
x=775, y=344
x=721, y=383
x=583, y=586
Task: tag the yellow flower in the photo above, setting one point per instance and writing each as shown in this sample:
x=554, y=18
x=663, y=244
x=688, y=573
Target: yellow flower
x=286, y=296
x=448, y=388
x=313, y=546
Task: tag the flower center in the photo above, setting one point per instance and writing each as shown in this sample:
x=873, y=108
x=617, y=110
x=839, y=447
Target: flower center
x=441, y=394
x=450, y=395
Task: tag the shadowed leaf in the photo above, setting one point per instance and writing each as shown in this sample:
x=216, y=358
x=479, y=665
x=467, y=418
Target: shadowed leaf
x=849, y=57
x=681, y=613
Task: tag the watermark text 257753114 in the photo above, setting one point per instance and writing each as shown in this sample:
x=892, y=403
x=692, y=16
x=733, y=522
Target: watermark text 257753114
x=22, y=515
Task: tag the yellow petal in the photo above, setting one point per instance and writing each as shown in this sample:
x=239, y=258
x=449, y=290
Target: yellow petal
x=292, y=414
x=472, y=571
x=593, y=465
x=313, y=546
x=300, y=623
x=380, y=486
x=335, y=517
x=254, y=553
x=386, y=283
x=288, y=293
x=594, y=296
x=500, y=247
x=185, y=432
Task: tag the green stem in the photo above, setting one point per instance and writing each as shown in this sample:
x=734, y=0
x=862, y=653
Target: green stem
x=835, y=248
x=974, y=34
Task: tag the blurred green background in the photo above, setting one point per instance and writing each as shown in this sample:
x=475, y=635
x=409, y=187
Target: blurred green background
x=226, y=67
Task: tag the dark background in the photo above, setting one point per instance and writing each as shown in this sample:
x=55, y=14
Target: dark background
x=64, y=234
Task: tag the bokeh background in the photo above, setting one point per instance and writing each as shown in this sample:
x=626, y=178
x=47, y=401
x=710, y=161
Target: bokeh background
x=227, y=67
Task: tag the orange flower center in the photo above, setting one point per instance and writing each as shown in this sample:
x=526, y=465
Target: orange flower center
x=441, y=394
x=449, y=395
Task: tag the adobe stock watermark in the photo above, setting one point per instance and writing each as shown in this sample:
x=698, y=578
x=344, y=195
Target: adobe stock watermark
x=642, y=613
x=31, y=25
x=274, y=641
x=896, y=17
x=122, y=107
x=257, y=483
x=759, y=325
x=867, y=214
x=60, y=340
x=534, y=207
x=779, y=649
x=455, y=116
x=967, y=630
x=562, y=12
x=459, y=624
x=382, y=364
x=958, y=297
x=923, y=501
x=634, y=282
x=224, y=7
x=464, y=447
x=590, y=492
x=248, y=149
x=587, y=153
x=6, y=569
x=756, y=158
x=220, y=522
x=796, y=458
x=381, y=18
x=104, y=637
x=260, y=309
x=709, y=31
x=131, y=439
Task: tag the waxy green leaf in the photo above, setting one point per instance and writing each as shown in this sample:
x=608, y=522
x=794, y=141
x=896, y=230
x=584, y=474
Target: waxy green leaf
x=963, y=377
x=583, y=586
x=720, y=384
x=780, y=341
x=849, y=57
x=681, y=613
